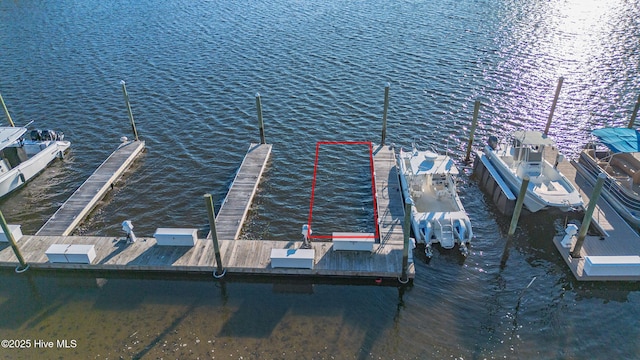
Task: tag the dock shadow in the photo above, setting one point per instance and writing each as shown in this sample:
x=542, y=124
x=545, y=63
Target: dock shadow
x=120, y=245
x=252, y=311
x=160, y=256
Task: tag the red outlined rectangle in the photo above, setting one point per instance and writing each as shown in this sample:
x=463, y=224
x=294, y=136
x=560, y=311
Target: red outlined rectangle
x=373, y=189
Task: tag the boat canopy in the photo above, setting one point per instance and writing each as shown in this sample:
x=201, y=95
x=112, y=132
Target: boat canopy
x=10, y=134
x=619, y=140
x=432, y=163
x=532, y=138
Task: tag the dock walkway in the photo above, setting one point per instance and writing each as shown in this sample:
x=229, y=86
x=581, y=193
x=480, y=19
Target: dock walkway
x=388, y=196
x=85, y=198
x=618, y=239
x=238, y=200
x=239, y=257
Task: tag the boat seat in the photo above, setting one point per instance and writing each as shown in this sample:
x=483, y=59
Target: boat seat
x=627, y=167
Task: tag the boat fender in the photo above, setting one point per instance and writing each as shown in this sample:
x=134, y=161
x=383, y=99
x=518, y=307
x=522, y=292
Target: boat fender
x=21, y=177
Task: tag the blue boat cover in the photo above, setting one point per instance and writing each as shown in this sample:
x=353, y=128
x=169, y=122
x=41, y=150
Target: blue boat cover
x=619, y=140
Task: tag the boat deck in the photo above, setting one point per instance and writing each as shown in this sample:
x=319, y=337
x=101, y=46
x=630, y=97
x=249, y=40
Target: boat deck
x=85, y=198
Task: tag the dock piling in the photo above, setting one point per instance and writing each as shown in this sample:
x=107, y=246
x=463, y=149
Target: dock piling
x=260, y=122
x=553, y=105
x=384, y=113
x=7, y=233
x=588, y=215
x=474, y=123
x=126, y=100
x=214, y=236
x=519, y=203
x=6, y=111
x=633, y=115
x=405, y=249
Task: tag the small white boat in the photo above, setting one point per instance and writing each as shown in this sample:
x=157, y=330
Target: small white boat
x=521, y=156
x=21, y=159
x=619, y=160
x=437, y=215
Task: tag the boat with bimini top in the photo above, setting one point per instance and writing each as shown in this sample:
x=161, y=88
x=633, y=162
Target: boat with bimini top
x=23, y=158
x=429, y=181
x=615, y=153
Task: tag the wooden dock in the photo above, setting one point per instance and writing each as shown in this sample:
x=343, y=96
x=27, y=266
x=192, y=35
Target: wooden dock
x=241, y=257
x=389, y=196
x=85, y=198
x=238, y=200
x=618, y=238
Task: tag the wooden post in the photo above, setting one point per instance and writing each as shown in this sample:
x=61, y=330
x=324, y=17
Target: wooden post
x=384, y=113
x=6, y=111
x=474, y=123
x=553, y=105
x=12, y=242
x=126, y=100
x=260, y=122
x=214, y=236
x=586, y=221
x=405, y=249
x=518, y=208
x=633, y=115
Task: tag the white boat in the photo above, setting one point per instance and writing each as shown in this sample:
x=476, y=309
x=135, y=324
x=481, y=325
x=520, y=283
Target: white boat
x=521, y=156
x=619, y=160
x=21, y=159
x=429, y=180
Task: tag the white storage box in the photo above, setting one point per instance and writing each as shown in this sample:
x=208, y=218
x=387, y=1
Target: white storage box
x=353, y=241
x=293, y=258
x=16, y=231
x=612, y=265
x=82, y=254
x=55, y=253
x=176, y=236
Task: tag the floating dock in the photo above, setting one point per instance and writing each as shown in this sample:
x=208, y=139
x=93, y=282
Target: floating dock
x=85, y=198
x=503, y=198
x=616, y=250
x=238, y=200
x=240, y=257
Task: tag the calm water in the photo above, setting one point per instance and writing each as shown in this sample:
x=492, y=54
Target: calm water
x=193, y=69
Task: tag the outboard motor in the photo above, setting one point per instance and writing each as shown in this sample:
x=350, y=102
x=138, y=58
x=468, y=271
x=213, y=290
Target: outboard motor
x=493, y=142
x=48, y=135
x=36, y=135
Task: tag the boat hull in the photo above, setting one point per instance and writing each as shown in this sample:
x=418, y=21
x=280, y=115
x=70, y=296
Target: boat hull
x=533, y=200
x=437, y=214
x=25, y=171
x=623, y=201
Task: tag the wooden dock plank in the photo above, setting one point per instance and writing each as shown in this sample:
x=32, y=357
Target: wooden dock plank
x=388, y=195
x=240, y=256
x=85, y=198
x=236, y=205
